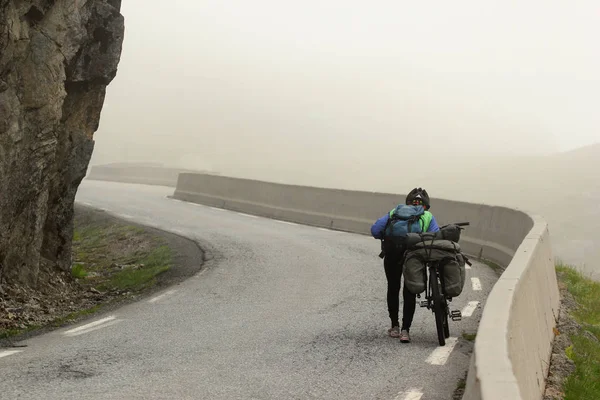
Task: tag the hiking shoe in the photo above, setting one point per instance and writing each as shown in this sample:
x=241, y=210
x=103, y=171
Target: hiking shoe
x=394, y=331
x=404, y=336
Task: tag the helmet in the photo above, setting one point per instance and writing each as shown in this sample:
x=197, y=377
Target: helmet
x=418, y=196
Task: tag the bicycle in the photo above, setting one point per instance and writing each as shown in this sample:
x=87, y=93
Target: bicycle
x=436, y=298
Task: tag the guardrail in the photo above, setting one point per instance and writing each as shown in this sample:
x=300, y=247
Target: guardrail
x=515, y=335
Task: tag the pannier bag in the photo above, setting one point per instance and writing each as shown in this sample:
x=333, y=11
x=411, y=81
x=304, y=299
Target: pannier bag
x=414, y=273
x=451, y=260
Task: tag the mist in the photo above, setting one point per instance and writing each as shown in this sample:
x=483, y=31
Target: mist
x=474, y=101
x=307, y=85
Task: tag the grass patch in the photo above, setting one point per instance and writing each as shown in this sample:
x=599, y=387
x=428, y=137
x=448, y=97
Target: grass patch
x=155, y=263
x=569, y=352
x=78, y=271
x=584, y=383
x=460, y=388
x=469, y=336
x=74, y=315
x=8, y=333
x=585, y=291
x=119, y=257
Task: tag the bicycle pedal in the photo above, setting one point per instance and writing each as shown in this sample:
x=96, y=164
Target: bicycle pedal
x=456, y=315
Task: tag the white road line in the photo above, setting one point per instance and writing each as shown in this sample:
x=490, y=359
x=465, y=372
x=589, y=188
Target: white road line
x=412, y=394
x=440, y=355
x=286, y=222
x=9, y=353
x=155, y=299
x=469, y=308
x=467, y=267
x=95, y=328
x=91, y=326
x=199, y=274
x=87, y=204
x=218, y=209
x=329, y=230
x=247, y=215
x=476, y=283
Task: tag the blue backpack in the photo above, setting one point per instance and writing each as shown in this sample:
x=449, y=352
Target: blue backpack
x=404, y=219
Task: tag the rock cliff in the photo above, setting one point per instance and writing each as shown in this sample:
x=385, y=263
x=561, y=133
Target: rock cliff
x=56, y=59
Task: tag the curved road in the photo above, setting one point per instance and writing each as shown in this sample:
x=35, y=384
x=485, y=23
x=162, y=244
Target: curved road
x=282, y=311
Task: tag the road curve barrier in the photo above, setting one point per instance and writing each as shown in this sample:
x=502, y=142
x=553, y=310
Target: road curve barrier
x=514, y=339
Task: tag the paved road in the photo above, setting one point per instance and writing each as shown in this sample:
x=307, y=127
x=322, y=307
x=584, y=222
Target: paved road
x=282, y=311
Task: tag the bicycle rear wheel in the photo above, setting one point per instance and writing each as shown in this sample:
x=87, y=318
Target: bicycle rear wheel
x=446, y=326
x=439, y=309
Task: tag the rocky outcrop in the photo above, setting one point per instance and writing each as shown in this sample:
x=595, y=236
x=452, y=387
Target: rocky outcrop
x=56, y=59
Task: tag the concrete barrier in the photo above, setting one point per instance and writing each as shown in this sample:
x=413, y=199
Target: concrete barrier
x=148, y=174
x=515, y=336
x=495, y=232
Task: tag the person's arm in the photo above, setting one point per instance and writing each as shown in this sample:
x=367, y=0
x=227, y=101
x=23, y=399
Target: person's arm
x=378, y=227
x=433, y=225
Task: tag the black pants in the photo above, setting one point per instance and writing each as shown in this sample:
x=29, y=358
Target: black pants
x=392, y=263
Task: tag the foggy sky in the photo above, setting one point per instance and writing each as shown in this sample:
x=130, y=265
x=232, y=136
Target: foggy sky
x=312, y=85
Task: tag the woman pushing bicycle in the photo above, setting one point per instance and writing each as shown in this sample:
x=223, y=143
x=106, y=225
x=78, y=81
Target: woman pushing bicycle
x=391, y=229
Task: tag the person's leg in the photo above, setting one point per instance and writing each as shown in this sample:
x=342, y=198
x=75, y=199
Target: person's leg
x=392, y=274
x=408, y=312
